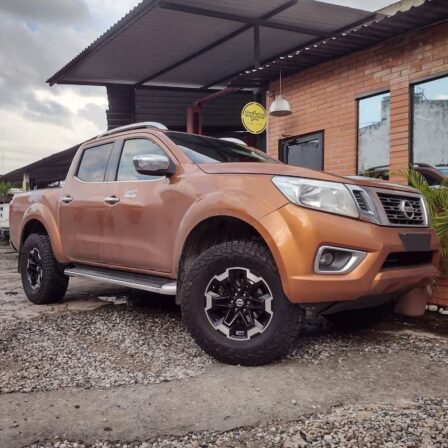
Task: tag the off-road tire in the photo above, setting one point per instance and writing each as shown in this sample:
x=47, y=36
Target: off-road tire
x=286, y=321
x=360, y=319
x=54, y=283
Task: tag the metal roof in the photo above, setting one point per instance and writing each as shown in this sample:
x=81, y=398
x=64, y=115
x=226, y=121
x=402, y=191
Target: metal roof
x=405, y=16
x=50, y=169
x=197, y=43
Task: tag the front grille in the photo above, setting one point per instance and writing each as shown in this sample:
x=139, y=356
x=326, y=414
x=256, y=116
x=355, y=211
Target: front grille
x=407, y=259
x=403, y=210
x=361, y=200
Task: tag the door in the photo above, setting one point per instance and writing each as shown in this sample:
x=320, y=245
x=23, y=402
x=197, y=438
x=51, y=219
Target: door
x=83, y=216
x=306, y=151
x=142, y=221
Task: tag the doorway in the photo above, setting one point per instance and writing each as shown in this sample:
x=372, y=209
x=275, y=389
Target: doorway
x=306, y=151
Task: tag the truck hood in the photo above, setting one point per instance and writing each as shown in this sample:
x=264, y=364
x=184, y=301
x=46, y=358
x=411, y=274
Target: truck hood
x=280, y=169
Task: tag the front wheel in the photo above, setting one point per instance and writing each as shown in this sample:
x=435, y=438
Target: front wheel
x=43, y=278
x=234, y=306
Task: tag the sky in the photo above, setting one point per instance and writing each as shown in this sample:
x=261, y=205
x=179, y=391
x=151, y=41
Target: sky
x=38, y=37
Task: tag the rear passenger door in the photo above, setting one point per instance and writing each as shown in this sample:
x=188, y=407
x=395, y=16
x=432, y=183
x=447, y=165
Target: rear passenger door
x=84, y=219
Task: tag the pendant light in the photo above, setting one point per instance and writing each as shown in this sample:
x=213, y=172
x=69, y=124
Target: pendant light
x=280, y=107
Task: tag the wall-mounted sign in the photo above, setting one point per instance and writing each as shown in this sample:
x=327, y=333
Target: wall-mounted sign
x=254, y=118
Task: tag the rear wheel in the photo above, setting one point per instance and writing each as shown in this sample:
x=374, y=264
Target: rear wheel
x=43, y=277
x=234, y=306
x=360, y=319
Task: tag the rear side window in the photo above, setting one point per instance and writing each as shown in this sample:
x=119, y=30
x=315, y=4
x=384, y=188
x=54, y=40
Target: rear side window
x=132, y=148
x=94, y=163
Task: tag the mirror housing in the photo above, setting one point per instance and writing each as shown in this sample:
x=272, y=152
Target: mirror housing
x=153, y=164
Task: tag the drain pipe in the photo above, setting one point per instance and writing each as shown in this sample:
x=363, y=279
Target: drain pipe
x=194, y=112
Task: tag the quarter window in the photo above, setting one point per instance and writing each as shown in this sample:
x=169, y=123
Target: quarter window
x=373, y=132
x=94, y=163
x=430, y=119
x=132, y=148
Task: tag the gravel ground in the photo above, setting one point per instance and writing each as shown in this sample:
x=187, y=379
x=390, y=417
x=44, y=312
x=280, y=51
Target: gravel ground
x=118, y=345
x=109, y=347
x=113, y=345
x=422, y=423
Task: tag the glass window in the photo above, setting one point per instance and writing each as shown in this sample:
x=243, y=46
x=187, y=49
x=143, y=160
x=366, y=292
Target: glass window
x=430, y=123
x=306, y=151
x=200, y=149
x=373, y=132
x=132, y=148
x=94, y=163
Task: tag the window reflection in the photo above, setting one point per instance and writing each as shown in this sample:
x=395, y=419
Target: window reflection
x=430, y=123
x=373, y=132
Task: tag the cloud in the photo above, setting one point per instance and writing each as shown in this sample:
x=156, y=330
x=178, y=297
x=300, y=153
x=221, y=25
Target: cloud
x=46, y=11
x=38, y=38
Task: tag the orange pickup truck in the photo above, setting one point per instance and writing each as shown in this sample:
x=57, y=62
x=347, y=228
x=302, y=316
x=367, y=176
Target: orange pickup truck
x=246, y=244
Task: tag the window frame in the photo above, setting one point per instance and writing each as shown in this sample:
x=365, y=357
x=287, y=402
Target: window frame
x=119, y=153
x=358, y=100
x=108, y=163
x=412, y=110
x=303, y=138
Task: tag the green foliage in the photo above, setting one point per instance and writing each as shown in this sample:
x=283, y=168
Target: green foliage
x=437, y=199
x=4, y=188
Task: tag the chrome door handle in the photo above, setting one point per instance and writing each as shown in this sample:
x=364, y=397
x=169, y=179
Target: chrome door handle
x=111, y=200
x=66, y=199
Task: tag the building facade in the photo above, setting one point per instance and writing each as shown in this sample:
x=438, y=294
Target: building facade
x=386, y=105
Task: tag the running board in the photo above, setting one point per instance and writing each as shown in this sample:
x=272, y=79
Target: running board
x=150, y=283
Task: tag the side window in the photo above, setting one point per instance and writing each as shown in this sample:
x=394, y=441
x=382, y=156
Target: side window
x=132, y=148
x=94, y=163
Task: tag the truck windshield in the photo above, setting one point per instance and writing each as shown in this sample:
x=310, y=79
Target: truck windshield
x=202, y=149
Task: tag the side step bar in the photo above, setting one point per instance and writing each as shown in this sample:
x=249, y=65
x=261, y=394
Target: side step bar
x=150, y=283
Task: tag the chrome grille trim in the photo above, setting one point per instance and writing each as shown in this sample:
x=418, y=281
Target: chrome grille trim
x=382, y=206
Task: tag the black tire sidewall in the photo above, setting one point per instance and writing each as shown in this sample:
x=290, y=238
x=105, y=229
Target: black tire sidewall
x=215, y=342
x=54, y=282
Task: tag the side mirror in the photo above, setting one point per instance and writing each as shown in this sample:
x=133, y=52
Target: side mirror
x=153, y=164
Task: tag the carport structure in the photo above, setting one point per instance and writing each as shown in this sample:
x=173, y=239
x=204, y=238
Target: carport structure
x=164, y=55
x=202, y=44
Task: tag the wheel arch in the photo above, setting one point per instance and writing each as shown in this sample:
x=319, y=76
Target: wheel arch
x=41, y=220
x=217, y=229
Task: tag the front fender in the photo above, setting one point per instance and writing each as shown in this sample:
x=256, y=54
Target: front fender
x=229, y=203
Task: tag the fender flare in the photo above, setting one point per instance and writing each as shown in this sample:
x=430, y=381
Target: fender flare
x=41, y=213
x=233, y=204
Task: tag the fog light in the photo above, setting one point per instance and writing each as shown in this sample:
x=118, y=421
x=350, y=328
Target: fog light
x=337, y=260
x=326, y=259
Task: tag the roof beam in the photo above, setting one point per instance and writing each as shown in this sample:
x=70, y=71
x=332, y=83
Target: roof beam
x=243, y=19
x=270, y=60
x=215, y=44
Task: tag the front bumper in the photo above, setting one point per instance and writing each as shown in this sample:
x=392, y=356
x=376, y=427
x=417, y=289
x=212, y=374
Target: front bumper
x=296, y=233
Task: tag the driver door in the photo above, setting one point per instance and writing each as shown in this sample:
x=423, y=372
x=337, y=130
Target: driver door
x=140, y=234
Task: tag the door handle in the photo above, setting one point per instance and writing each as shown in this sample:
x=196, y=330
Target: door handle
x=66, y=199
x=111, y=199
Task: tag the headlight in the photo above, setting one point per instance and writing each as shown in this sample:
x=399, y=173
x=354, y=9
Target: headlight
x=331, y=197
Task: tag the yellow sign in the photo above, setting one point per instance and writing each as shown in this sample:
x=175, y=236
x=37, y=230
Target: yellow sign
x=254, y=118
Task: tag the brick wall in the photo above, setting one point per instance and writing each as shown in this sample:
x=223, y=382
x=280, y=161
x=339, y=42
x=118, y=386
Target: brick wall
x=324, y=97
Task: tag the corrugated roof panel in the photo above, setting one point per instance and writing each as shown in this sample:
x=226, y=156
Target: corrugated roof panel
x=157, y=37
x=149, y=44
x=322, y=16
x=352, y=39
x=246, y=8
